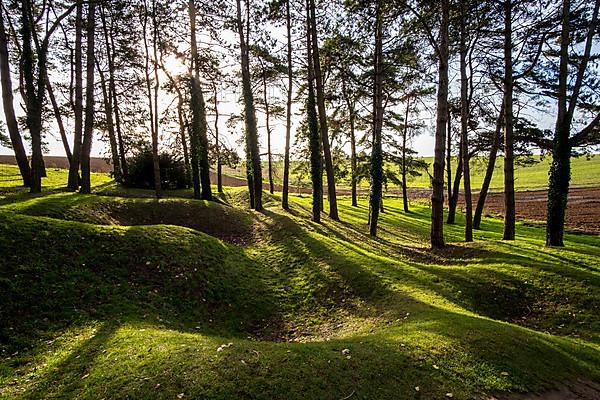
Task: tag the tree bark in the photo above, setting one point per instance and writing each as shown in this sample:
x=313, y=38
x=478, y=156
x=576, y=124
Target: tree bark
x=252, y=145
x=217, y=144
x=200, y=163
x=59, y=121
x=112, y=91
x=352, y=121
x=464, y=125
x=316, y=167
x=88, y=130
x=73, y=182
x=404, y=138
x=9, y=111
x=34, y=96
x=509, y=168
x=377, y=153
x=449, y=158
x=437, y=197
x=268, y=126
x=110, y=127
x=454, y=195
x=288, y=123
x=331, y=192
x=489, y=172
x=560, y=170
x=152, y=97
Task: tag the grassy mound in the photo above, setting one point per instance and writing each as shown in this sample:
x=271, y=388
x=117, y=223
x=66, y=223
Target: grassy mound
x=304, y=311
x=55, y=273
x=227, y=223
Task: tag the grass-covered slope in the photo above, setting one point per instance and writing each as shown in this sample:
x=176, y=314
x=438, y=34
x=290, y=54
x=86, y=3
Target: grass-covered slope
x=302, y=311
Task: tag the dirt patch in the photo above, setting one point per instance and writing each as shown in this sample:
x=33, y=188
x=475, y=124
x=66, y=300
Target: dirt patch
x=583, y=209
x=580, y=390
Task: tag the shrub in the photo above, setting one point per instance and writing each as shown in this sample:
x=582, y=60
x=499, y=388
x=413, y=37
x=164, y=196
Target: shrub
x=141, y=171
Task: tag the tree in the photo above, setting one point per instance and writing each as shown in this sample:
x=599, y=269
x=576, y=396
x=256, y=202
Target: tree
x=288, y=119
x=199, y=125
x=437, y=196
x=378, y=107
x=7, y=102
x=88, y=128
x=329, y=169
x=569, y=93
x=34, y=69
x=152, y=92
x=252, y=149
x=73, y=182
x=464, y=121
x=315, y=142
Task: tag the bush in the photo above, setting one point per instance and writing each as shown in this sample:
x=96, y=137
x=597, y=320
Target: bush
x=141, y=171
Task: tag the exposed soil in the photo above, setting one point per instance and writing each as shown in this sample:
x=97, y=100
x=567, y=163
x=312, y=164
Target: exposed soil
x=580, y=390
x=583, y=209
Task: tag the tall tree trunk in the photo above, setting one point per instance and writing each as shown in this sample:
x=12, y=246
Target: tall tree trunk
x=489, y=172
x=509, y=168
x=73, y=182
x=560, y=170
x=377, y=153
x=151, y=96
x=250, y=112
x=288, y=123
x=9, y=111
x=183, y=125
x=449, y=158
x=59, y=121
x=331, y=192
x=86, y=148
x=437, y=197
x=112, y=91
x=268, y=126
x=404, y=137
x=155, y=155
x=316, y=167
x=464, y=124
x=199, y=129
x=110, y=127
x=34, y=96
x=352, y=121
x=218, y=144
x=454, y=195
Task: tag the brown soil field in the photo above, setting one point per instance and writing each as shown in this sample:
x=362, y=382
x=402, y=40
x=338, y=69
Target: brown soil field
x=583, y=208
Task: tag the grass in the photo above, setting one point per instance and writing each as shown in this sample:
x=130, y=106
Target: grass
x=10, y=181
x=584, y=173
x=96, y=308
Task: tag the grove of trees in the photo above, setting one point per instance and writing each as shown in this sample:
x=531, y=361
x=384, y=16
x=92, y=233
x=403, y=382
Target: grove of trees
x=354, y=81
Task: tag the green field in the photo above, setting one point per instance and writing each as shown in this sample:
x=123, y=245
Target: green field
x=129, y=297
x=584, y=173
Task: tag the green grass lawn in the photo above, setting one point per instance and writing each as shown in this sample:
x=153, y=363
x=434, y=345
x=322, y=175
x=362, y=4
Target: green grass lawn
x=585, y=172
x=10, y=179
x=93, y=307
